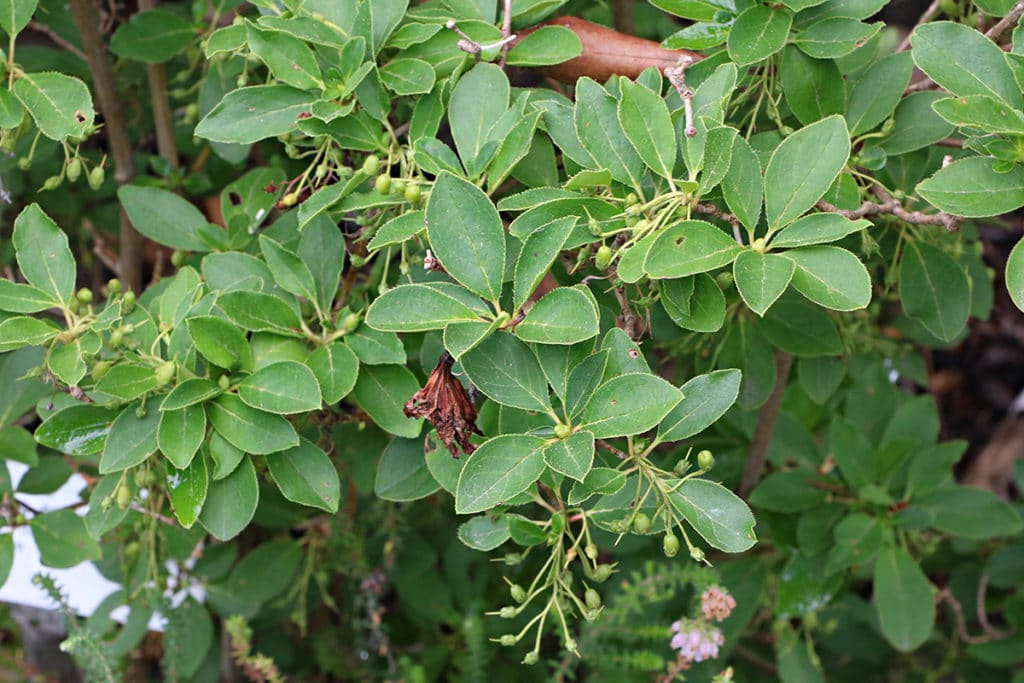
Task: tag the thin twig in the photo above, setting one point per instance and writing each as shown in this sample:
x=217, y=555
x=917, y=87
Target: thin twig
x=163, y=117
x=506, y=31
x=677, y=77
x=1006, y=22
x=57, y=39
x=611, y=449
x=892, y=206
x=626, y=315
x=983, y=615
x=714, y=211
x=754, y=467
x=927, y=16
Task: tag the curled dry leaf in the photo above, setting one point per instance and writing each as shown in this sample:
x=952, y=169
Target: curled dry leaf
x=444, y=403
x=606, y=52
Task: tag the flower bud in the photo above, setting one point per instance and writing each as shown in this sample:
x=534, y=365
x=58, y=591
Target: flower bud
x=128, y=302
x=681, y=466
x=603, y=258
x=96, y=177
x=289, y=200
x=594, y=226
x=350, y=322
x=177, y=258
x=641, y=523
x=697, y=554
x=371, y=164
x=518, y=592
x=592, y=599
x=602, y=572
x=507, y=640
x=670, y=545
x=591, y=551
x=100, y=369
x=563, y=431
x=570, y=644
x=224, y=382
x=52, y=183
x=383, y=183
x=631, y=199
x=512, y=559
x=530, y=658
x=84, y=295
x=24, y=163
x=507, y=612
x=114, y=286
x=74, y=169
x=116, y=339
x=398, y=186
x=124, y=496
x=165, y=373
x=724, y=279
x=413, y=194
x=705, y=460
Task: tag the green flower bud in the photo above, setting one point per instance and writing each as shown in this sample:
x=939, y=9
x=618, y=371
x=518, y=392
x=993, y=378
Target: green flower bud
x=518, y=592
x=356, y=260
x=563, y=431
x=705, y=460
x=507, y=612
x=602, y=572
x=697, y=554
x=530, y=658
x=670, y=545
x=84, y=295
x=96, y=177
x=116, y=339
x=594, y=226
x=603, y=258
x=52, y=183
x=100, y=369
x=383, y=183
x=350, y=322
x=631, y=199
x=289, y=200
x=165, y=373
x=224, y=382
x=633, y=210
x=128, y=302
x=592, y=599
x=74, y=305
x=192, y=112
x=24, y=163
x=681, y=466
x=591, y=551
x=114, y=286
x=570, y=644
x=413, y=194
x=177, y=258
x=398, y=186
x=370, y=165
x=74, y=169
x=512, y=559
x=724, y=279
x=124, y=496
x=758, y=245
x=507, y=640
x=641, y=523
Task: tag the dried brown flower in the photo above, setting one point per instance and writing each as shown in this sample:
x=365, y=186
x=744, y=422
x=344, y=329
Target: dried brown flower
x=443, y=401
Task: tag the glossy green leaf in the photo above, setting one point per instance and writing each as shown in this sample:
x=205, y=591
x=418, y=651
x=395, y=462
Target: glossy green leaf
x=916, y=125
x=17, y=444
x=248, y=115
x=690, y=247
x=466, y=235
x=62, y=539
x=546, y=45
x=976, y=67
x=289, y=59
x=77, y=429
x=705, y=399
x=257, y=311
x=817, y=228
x=407, y=76
x=695, y=303
x=597, y=125
x=132, y=439
x=970, y=187
x=423, y=307
x=505, y=370
x=540, y=249
x=44, y=257
x=831, y=277
x=477, y=102
x=742, y=185
x=629, y=404
x=499, y=470
x=758, y=33
x=1015, y=275
x=181, y=433
x=583, y=381
x=877, y=92
x=573, y=456
x=190, y=392
x=231, y=502
x=802, y=168
x=485, y=533
x=801, y=328
x=14, y=16
x=336, y=368
x=19, y=298
x=903, y=599
x=289, y=271
x=398, y=230
x=305, y=475
x=562, y=316
x=164, y=217
x=127, y=381
x=187, y=489
x=645, y=120
x=59, y=104
x=969, y=512
x=220, y=342
x=934, y=290
x=716, y=513
x=284, y=388
x=835, y=37
x=249, y=429
x=761, y=278
x=21, y=331
x=382, y=391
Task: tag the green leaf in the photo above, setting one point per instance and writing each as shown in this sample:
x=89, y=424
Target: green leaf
x=187, y=490
x=758, y=33
x=976, y=67
x=181, y=433
x=698, y=36
x=981, y=112
x=77, y=430
x=190, y=392
x=485, y=533
x=478, y=101
x=716, y=513
x=802, y=168
x=916, y=125
x=220, y=342
x=248, y=115
x=132, y=439
x=904, y=600
x=322, y=249
x=1015, y=275
x=796, y=326
x=934, y=290
x=306, y=476
x=690, y=247
x=546, y=45
x=695, y=303
x=603, y=481
x=540, y=249
x=21, y=331
x=761, y=278
x=630, y=267
x=14, y=16
x=258, y=312
x=11, y=111
x=336, y=369
x=404, y=76
x=59, y=104
x=557, y=362
x=422, y=307
x=858, y=538
x=583, y=381
x=969, y=512
x=513, y=148
x=877, y=92
x=475, y=258
x=817, y=228
x=629, y=404
x=402, y=473
x=43, y=253
x=398, y=230
x=67, y=362
x=831, y=277
x=152, y=36
x=601, y=134
x=17, y=444
x=573, y=456
x=705, y=399
x=563, y=316
x=460, y=338
x=19, y=298
x=267, y=571
x=376, y=21
x=853, y=452
x=285, y=388
x=62, y=539
x=376, y=348
x=970, y=187
x=500, y=469
x=164, y=217
x=505, y=370
x=290, y=273
x=820, y=377
x=249, y=429
x=127, y=381
x=787, y=492
x=742, y=185
x=224, y=456
x=644, y=118
x=835, y=37
x=814, y=87
x=289, y=59
x=231, y=502
x=382, y=391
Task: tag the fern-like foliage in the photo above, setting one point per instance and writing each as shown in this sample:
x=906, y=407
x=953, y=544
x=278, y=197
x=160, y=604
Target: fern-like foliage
x=89, y=652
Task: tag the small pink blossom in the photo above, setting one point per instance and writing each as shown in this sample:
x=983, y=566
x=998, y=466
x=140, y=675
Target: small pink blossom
x=716, y=604
x=696, y=640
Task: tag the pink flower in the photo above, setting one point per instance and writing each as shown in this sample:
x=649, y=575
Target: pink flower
x=716, y=604
x=696, y=640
